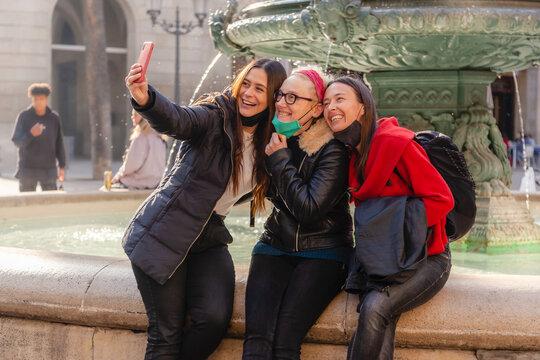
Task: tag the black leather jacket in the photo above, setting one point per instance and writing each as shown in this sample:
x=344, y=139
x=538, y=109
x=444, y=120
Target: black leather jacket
x=309, y=193
x=171, y=219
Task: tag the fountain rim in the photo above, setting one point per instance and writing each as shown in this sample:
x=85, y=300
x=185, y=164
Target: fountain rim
x=262, y=6
x=275, y=28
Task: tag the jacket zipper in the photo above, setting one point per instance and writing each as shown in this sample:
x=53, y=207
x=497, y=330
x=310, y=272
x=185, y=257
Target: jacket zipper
x=298, y=227
x=211, y=212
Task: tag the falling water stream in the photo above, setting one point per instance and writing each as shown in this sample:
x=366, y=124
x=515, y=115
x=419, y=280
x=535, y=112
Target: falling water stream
x=328, y=56
x=212, y=64
x=525, y=157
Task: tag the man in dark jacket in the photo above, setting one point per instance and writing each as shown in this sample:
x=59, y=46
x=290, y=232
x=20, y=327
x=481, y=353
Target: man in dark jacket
x=38, y=135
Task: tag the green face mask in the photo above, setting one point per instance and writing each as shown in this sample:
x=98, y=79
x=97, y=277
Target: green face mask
x=286, y=128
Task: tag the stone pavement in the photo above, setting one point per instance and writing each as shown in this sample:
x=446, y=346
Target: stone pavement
x=78, y=178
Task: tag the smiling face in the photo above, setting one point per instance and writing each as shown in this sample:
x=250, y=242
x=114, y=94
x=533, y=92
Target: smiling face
x=302, y=110
x=341, y=106
x=252, y=97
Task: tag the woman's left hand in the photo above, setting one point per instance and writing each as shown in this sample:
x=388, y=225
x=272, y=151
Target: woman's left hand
x=277, y=141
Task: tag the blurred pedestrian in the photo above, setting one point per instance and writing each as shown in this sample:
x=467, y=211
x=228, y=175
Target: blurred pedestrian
x=144, y=160
x=38, y=135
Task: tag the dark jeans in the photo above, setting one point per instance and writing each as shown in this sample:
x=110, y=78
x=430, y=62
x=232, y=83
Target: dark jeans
x=285, y=295
x=380, y=311
x=30, y=184
x=201, y=288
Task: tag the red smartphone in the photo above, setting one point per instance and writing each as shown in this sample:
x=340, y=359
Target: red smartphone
x=144, y=58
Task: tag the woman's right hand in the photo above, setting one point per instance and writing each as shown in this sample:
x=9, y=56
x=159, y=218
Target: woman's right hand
x=138, y=90
x=277, y=141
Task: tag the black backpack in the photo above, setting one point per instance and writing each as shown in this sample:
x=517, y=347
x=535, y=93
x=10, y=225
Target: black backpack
x=445, y=156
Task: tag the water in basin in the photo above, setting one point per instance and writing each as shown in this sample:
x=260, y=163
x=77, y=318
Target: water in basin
x=100, y=234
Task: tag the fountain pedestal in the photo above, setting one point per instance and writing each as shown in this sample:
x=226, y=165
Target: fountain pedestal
x=455, y=103
x=503, y=225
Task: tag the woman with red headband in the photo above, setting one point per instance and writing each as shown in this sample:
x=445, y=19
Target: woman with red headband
x=298, y=265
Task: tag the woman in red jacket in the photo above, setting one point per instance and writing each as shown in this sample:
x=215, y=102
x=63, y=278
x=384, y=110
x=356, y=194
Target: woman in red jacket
x=386, y=161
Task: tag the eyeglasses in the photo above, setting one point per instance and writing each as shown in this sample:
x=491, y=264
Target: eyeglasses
x=290, y=98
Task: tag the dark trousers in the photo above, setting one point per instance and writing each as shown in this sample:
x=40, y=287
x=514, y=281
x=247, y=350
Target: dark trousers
x=30, y=184
x=285, y=295
x=379, y=311
x=202, y=288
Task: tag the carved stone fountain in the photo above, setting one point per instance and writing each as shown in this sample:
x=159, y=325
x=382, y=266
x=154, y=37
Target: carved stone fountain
x=429, y=63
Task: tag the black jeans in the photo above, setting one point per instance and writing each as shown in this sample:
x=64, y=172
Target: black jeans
x=380, y=311
x=285, y=295
x=30, y=184
x=201, y=288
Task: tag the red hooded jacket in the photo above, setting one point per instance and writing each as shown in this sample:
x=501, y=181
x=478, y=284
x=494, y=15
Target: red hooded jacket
x=392, y=148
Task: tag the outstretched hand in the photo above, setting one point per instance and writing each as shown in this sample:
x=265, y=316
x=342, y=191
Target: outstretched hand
x=277, y=141
x=138, y=90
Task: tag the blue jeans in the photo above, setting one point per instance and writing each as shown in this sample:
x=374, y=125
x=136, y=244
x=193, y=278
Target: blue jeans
x=285, y=295
x=203, y=289
x=380, y=311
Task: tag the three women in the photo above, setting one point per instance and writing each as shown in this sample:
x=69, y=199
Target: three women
x=177, y=241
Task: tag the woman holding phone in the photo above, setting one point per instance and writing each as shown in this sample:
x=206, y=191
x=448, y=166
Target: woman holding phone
x=299, y=264
x=386, y=161
x=177, y=240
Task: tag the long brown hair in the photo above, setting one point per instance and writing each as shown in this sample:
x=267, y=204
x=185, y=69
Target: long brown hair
x=276, y=74
x=368, y=121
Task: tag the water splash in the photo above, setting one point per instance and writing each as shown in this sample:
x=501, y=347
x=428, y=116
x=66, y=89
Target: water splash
x=212, y=64
x=328, y=56
x=525, y=157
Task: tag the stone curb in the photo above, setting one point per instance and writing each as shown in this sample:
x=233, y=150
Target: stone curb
x=471, y=312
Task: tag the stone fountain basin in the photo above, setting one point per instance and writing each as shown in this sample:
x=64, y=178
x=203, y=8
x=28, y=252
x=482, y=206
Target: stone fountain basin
x=388, y=35
x=67, y=306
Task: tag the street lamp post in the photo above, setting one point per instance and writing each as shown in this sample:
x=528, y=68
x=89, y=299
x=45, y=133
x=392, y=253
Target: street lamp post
x=177, y=29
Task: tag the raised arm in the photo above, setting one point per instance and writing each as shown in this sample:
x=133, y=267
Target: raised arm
x=166, y=117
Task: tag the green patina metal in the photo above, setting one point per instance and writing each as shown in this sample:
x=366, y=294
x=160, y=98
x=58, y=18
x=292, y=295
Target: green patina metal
x=429, y=63
x=454, y=103
x=387, y=35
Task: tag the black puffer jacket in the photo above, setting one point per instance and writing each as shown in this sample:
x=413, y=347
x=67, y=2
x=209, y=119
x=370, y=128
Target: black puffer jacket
x=170, y=220
x=309, y=193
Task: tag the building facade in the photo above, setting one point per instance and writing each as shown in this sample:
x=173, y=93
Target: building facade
x=44, y=41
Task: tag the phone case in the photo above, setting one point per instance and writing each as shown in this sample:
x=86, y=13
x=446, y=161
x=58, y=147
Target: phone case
x=144, y=58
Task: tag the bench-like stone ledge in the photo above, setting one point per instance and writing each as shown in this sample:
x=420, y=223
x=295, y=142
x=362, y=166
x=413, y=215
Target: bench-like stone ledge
x=64, y=306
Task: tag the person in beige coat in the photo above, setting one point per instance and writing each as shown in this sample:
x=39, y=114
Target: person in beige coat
x=144, y=160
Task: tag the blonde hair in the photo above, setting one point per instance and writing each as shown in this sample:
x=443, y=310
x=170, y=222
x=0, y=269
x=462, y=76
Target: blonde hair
x=143, y=127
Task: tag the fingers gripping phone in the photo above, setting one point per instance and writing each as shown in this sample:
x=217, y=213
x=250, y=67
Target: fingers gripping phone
x=144, y=58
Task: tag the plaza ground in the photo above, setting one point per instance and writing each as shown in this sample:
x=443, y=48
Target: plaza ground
x=79, y=178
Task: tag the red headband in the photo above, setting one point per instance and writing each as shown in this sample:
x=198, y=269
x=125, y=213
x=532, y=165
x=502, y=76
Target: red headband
x=316, y=80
